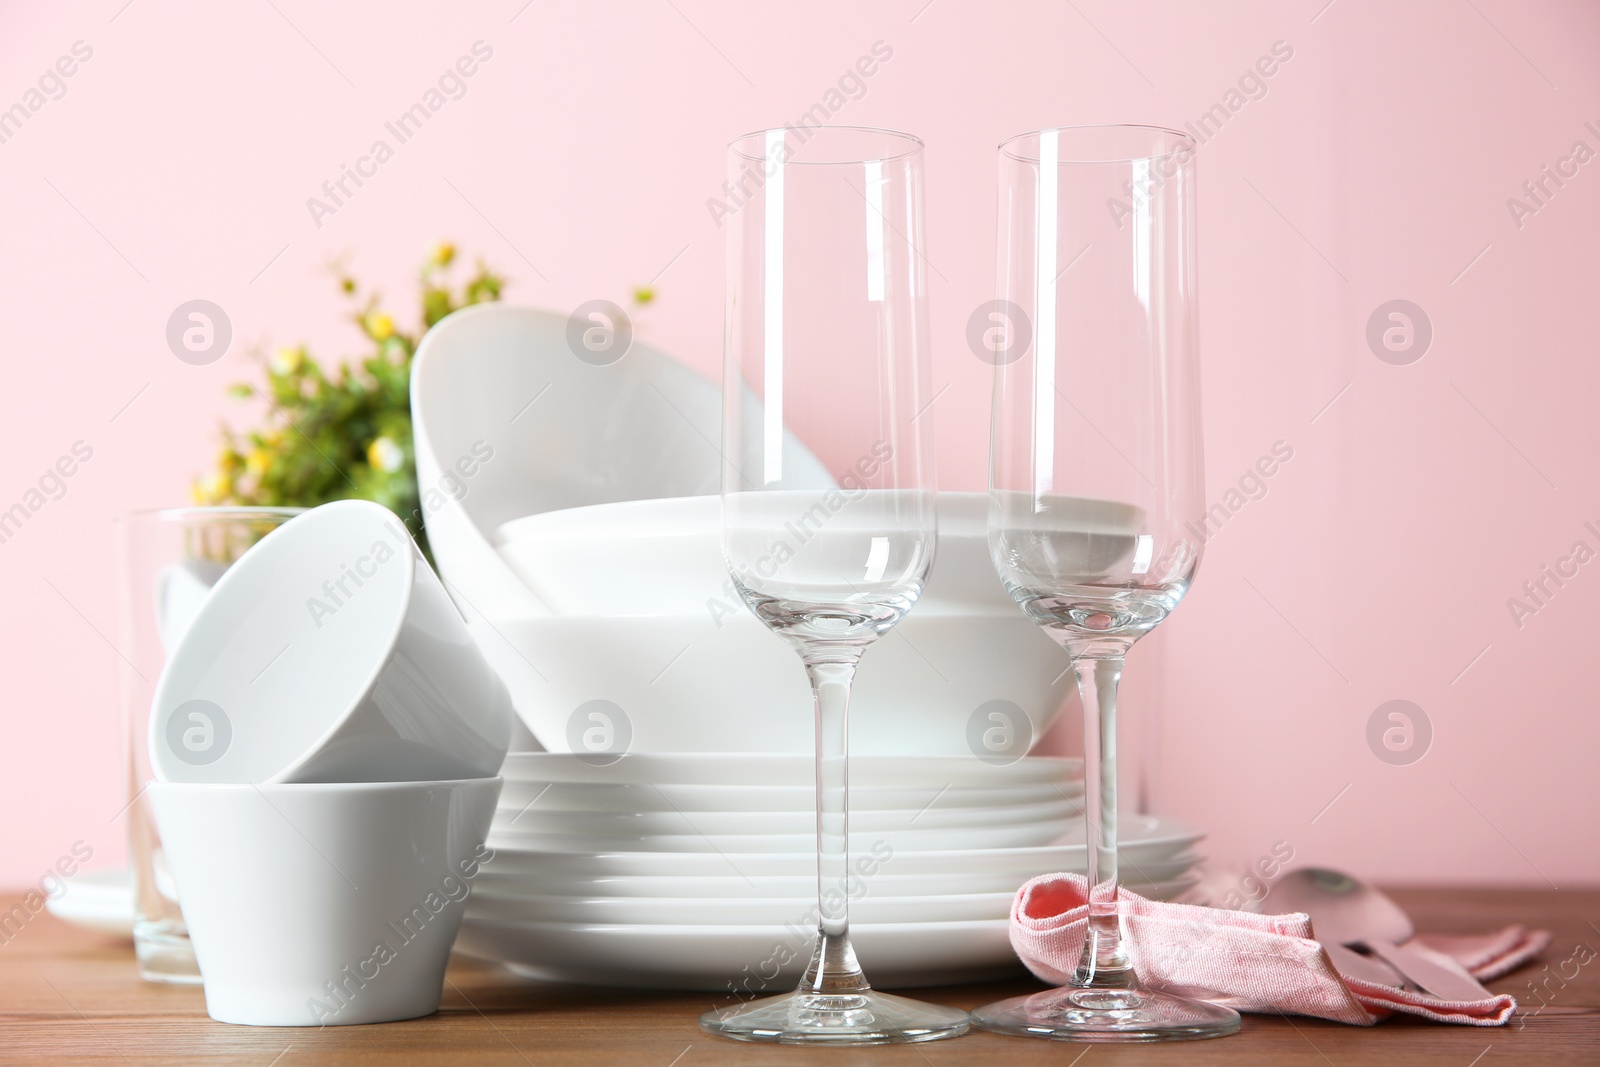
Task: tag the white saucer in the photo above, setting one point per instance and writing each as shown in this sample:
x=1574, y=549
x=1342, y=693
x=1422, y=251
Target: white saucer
x=97, y=900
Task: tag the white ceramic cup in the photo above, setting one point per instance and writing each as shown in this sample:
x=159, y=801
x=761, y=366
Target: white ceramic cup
x=324, y=904
x=330, y=652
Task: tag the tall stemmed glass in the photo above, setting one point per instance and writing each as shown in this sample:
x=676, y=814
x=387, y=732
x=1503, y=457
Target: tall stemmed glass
x=826, y=330
x=1095, y=468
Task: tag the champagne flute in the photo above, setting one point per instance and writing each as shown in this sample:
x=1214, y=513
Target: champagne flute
x=1095, y=466
x=826, y=329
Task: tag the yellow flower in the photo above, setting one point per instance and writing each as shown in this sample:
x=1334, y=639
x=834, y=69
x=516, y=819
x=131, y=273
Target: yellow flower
x=378, y=325
x=444, y=253
x=385, y=455
x=644, y=294
x=228, y=460
x=213, y=489
x=286, y=360
x=258, y=461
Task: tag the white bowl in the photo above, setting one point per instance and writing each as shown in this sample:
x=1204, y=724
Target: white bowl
x=508, y=421
x=648, y=621
x=658, y=684
x=313, y=904
x=329, y=653
x=664, y=557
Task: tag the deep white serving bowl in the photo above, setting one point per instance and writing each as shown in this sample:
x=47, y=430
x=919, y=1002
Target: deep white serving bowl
x=648, y=621
x=510, y=423
x=676, y=683
x=664, y=557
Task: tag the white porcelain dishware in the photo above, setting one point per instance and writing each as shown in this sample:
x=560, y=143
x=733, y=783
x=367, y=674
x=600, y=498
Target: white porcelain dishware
x=875, y=906
x=779, y=824
x=647, y=911
x=1030, y=836
x=747, y=960
x=625, y=798
x=735, y=769
x=664, y=557
x=647, y=619
x=316, y=904
x=960, y=877
x=329, y=652
x=513, y=415
x=101, y=901
x=1145, y=839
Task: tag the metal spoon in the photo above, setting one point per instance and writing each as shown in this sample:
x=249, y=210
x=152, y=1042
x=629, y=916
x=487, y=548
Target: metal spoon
x=1345, y=912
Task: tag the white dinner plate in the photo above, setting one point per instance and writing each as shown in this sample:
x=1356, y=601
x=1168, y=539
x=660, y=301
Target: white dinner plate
x=751, y=959
x=774, y=911
x=884, y=879
x=778, y=911
x=739, y=768
x=598, y=797
x=1145, y=838
x=1036, y=834
x=533, y=819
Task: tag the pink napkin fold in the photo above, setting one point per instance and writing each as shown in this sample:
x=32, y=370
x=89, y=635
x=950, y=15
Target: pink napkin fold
x=1257, y=963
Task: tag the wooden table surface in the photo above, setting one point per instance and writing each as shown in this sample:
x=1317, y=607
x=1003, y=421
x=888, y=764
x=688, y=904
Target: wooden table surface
x=69, y=996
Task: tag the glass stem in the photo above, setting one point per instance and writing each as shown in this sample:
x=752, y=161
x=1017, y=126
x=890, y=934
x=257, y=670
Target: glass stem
x=1105, y=961
x=833, y=970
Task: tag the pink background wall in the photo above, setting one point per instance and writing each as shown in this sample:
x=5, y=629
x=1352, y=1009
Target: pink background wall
x=1376, y=165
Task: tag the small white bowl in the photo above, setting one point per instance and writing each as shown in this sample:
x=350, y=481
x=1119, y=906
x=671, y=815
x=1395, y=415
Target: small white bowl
x=329, y=652
x=323, y=904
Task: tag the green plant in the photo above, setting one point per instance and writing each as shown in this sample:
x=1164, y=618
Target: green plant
x=345, y=434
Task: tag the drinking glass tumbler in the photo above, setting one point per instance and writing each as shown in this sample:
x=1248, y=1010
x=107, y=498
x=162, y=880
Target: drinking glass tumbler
x=167, y=562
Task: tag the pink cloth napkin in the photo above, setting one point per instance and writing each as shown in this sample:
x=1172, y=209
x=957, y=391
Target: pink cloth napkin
x=1257, y=963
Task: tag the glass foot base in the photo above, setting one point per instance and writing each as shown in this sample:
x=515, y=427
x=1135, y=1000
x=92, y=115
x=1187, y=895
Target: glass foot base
x=868, y=1018
x=1075, y=1014
x=164, y=953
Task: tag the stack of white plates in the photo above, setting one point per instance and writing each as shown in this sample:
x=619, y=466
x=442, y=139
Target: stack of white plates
x=698, y=871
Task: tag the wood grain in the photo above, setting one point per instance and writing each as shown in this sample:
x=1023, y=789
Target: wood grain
x=68, y=996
